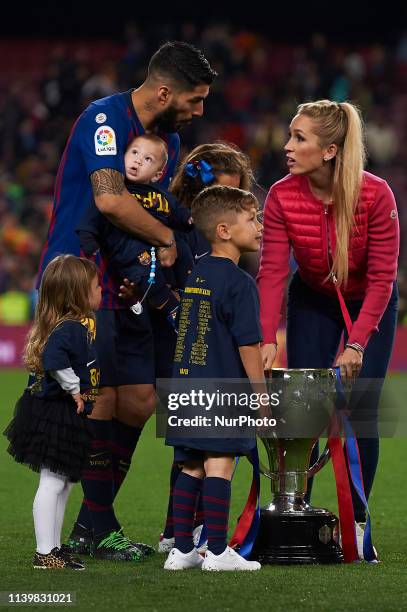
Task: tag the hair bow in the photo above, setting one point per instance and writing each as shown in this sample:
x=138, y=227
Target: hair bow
x=201, y=168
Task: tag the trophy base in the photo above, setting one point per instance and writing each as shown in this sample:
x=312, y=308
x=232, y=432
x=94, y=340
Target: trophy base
x=290, y=537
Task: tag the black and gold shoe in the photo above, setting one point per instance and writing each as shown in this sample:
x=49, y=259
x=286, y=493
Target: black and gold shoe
x=55, y=560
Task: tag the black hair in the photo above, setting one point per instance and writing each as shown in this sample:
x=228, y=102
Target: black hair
x=183, y=63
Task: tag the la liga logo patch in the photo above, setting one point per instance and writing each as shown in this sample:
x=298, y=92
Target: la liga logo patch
x=105, y=141
x=104, y=137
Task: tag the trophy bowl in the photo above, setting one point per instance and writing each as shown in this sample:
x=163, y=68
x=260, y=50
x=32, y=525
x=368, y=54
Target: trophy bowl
x=291, y=531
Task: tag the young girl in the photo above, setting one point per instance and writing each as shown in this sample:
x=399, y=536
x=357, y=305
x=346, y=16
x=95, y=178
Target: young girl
x=49, y=429
x=217, y=163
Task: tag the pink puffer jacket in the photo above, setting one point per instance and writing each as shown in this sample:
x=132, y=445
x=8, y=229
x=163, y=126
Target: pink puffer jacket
x=295, y=218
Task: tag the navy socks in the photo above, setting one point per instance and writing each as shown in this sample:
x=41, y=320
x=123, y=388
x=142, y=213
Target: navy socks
x=169, y=524
x=97, y=482
x=185, y=495
x=124, y=442
x=216, y=503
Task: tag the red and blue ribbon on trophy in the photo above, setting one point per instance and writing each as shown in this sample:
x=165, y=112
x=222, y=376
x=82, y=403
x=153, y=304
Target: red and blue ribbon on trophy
x=345, y=505
x=245, y=532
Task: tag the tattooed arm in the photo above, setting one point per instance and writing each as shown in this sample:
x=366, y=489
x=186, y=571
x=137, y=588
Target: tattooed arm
x=114, y=201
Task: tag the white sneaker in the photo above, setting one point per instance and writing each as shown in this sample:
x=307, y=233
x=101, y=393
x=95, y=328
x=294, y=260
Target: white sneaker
x=166, y=544
x=228, y=561
x=178, y=560
x=360, y=532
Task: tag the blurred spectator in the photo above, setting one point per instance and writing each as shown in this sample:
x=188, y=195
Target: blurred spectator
x=381, y=139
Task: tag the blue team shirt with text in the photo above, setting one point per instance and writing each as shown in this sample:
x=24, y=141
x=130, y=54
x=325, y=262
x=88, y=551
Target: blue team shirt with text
x=219, y=313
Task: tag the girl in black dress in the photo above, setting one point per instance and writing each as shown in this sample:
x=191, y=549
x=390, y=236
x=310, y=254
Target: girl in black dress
x=49, y=430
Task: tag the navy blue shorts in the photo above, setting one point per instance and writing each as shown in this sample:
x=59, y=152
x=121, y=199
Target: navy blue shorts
x=125, y=348
x=165, y=340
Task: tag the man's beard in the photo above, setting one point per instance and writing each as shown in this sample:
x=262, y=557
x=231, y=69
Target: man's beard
x=166, y=121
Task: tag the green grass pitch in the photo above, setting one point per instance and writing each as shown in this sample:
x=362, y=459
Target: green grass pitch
x=141, y=508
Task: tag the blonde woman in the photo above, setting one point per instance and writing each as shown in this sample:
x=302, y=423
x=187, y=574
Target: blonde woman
x=341, y=224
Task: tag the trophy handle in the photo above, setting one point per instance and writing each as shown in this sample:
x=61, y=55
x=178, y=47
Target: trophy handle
x=265, y=471
x=318, y=465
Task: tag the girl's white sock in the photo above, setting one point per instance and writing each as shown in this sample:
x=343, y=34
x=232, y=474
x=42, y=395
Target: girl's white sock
x=45, y=509
x=61, y=505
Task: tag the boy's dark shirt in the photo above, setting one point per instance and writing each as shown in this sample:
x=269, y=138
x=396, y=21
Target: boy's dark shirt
x=219, y=313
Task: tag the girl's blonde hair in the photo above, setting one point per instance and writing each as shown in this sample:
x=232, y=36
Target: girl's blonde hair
x=223, y=157
x=341, y=124
x=64, y=294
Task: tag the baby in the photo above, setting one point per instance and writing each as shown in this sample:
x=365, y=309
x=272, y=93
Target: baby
x=132, y=258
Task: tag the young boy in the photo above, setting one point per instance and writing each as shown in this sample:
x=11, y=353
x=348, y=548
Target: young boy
x=145, y=161
x=219, y=337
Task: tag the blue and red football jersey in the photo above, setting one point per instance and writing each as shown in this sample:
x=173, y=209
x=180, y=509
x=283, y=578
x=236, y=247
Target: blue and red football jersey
x=98, y=139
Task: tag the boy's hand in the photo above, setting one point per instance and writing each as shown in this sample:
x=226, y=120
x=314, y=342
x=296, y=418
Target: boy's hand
x=268, y=353
x=79, y=402
x=167, y=255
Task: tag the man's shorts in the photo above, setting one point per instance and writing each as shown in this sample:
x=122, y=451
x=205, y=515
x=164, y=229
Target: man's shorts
x=165, y=339
x=125, y=348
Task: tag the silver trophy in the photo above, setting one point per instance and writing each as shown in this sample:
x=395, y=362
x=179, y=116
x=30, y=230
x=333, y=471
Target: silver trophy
x=291, y=531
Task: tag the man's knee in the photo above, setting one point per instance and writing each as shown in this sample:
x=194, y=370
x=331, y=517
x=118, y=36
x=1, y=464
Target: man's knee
x=135, y=404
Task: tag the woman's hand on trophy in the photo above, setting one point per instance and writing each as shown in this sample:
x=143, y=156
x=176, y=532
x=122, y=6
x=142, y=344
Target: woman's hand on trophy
x=268, y=353
x=350, y=363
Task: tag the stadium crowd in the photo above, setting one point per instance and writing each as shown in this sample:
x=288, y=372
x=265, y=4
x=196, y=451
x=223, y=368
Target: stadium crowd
x=46, y=85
